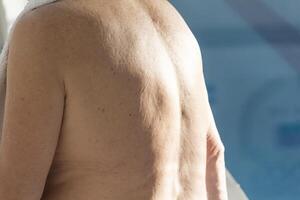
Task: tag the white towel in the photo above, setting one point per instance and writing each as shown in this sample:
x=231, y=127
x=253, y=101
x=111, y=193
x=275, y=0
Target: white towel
x=234, y=190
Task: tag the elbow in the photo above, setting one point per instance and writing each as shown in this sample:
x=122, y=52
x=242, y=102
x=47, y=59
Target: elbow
x=220, y=148
x=215, y=150
x=217, y=156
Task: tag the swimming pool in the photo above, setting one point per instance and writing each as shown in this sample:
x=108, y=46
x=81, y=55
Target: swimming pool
x=251, y=55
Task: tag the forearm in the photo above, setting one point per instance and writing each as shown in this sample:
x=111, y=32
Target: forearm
x=216, y=176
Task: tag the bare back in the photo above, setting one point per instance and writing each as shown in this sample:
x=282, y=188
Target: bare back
x=136, y=112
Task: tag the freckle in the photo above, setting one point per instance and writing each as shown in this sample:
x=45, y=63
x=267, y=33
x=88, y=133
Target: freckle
x=102, y=109
x=22, y=98
x=130, y=114
x=182, y=112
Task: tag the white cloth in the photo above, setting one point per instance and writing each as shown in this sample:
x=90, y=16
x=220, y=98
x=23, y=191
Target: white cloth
x=234, y=190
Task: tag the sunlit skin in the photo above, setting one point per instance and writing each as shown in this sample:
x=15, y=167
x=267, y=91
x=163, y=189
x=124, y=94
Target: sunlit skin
x=107, y=100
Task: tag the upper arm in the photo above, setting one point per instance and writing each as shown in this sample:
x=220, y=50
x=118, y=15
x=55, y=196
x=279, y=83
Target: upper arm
x=33, y=111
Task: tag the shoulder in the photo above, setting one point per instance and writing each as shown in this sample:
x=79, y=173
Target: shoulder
x=58, y=26
x=40, y=28
x=49, y=32
x=37, y=46
x=48, y=22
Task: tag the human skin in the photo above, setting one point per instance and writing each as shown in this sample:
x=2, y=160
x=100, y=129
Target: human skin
x=107, y=100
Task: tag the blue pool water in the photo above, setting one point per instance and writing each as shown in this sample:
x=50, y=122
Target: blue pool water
x=251, y=55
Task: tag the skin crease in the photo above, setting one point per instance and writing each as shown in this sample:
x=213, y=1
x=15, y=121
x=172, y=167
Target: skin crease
x=107, y=100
